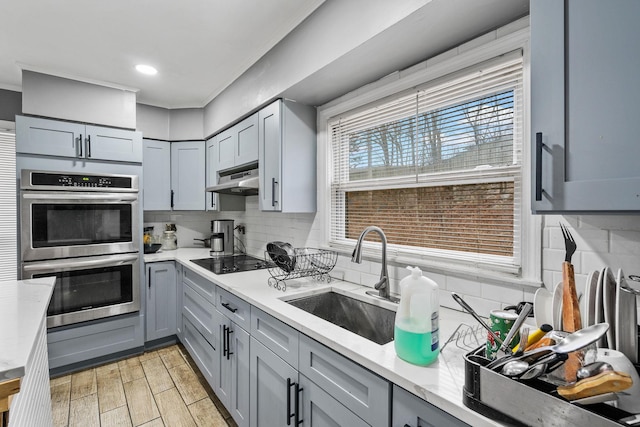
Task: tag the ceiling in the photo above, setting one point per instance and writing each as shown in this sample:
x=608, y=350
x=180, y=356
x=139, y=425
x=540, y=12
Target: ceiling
x=198, y=50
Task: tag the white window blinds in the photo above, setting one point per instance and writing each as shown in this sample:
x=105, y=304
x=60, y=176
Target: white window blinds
x=437, y=168
x=8, y=233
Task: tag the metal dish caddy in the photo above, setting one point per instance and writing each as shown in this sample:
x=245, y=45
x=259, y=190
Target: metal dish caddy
x=308, y=262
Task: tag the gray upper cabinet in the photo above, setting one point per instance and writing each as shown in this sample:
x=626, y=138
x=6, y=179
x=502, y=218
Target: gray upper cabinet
x=584, y=95
x=287, y=157
x=238, y=145
x=64, y=139
x=218, y=202
x=156, y=170
x=188, y=175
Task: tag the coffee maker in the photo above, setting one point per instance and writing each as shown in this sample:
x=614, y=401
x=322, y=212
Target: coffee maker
x=222, y=238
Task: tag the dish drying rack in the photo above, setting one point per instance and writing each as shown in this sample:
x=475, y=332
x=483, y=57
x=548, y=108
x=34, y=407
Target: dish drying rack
x=306, y=262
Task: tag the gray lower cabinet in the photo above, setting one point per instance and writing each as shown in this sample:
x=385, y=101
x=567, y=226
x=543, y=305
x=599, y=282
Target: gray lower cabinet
x=161, y=318
x=364, y=393
x=156, y=175
x=320, y=409
x=274, y=383
x=274, y=398
x=584, y=95
x=67, y=346
x=411, y=411
x=65, y=139
x=202, y=352
x=232, y=387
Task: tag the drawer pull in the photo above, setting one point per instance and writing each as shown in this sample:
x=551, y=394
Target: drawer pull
x=297, y=405
x=228, y=307
x=289, y=414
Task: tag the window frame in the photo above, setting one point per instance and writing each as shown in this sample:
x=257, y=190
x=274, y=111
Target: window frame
x=421, y=75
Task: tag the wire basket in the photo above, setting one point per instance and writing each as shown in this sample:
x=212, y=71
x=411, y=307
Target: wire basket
x=306, y=262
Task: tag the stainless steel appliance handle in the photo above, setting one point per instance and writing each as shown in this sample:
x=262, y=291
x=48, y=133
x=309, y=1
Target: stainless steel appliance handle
x=78, y=263
x=77, y=196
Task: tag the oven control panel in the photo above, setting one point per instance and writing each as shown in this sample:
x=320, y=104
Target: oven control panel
x=62, y=180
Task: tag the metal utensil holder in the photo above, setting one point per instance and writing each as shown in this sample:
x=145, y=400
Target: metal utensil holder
x=309, y=262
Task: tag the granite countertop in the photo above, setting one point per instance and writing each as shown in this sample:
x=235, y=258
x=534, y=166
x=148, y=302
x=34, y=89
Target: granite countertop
x=23, y=304
x=440, y=383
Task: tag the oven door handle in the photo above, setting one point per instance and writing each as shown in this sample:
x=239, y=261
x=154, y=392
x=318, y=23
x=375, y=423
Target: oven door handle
x=75, y=196
x=78, y=263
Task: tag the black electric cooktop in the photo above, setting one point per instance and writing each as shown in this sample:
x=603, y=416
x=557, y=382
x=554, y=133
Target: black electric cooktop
x=232, y=263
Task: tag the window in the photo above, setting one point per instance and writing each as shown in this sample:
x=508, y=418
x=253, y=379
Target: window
x=8, y=237
x=438, y=168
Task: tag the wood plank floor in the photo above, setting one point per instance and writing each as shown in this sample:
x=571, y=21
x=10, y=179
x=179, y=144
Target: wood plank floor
x=158, y=388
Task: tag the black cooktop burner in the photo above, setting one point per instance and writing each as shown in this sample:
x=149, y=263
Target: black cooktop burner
x=232, y=263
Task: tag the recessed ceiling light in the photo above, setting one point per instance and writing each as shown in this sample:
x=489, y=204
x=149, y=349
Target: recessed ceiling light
x=146, y=69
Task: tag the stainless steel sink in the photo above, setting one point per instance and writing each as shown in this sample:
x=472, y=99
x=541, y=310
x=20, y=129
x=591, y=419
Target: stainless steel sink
x=370, y=321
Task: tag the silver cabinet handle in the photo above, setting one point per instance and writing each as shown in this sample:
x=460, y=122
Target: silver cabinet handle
x=273, y=191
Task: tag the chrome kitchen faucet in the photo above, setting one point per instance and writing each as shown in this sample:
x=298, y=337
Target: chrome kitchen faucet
x=383, y=284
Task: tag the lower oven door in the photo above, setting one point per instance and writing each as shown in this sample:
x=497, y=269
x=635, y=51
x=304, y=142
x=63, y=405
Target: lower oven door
x=89, y=288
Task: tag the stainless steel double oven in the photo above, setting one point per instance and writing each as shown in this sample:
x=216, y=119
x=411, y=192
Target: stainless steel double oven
x=83, y=229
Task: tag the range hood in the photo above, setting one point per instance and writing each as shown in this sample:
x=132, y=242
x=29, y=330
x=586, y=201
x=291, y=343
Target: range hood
x=239, y=183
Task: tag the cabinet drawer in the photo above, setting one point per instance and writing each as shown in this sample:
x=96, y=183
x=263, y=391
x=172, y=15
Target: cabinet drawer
x=278, y=337
x=411, y=410
x=234, y=308
x=360, y=390
x=321, y=409
x=201, y=313
x=203, y=286
x=200, y=350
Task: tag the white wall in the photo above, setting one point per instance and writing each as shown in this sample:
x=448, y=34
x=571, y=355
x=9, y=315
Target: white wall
x=318, y=41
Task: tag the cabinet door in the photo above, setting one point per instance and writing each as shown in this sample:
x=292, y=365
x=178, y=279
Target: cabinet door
x=358, y=389
x=583, y=94
x=156, y=173
x=247, y=141
x=211, y=175
x=222, y=387
x=227, y=142
x=239, y=356
x=232, y=382
x=273, y=382
x=269, y=136
x=319, y=409
x=409, y=410
x=202, y=352
x=161, y=300
x=49, y=137
x=188, y=175
x=113, y=144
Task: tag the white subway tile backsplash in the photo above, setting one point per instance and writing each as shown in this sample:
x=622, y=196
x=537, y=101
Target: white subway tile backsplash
x=501, y=293
x=625, y=242
x=603, y=240
x=463, y=286
x=482, y=306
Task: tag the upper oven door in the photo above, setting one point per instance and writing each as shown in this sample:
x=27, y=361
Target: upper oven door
x=63, y=224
